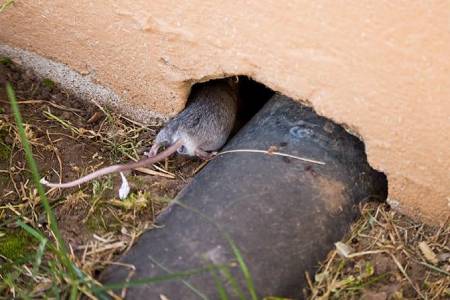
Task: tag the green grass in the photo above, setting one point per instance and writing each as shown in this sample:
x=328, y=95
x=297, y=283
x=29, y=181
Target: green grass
x=67, y=280
x=5, y=61
x=58, y=247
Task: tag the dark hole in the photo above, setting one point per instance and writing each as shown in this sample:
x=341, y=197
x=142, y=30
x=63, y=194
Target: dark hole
x=253, y=95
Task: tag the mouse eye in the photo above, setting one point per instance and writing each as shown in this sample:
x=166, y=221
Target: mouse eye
x=182, y=150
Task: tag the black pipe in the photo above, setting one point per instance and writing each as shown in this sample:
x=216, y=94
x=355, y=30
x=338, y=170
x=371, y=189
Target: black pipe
x=282, y=213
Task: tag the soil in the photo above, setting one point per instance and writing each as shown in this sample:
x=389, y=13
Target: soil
x=388, y=262
x=71, y=137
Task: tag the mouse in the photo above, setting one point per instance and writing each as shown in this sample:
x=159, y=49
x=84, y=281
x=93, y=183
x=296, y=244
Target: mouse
x=199, y=130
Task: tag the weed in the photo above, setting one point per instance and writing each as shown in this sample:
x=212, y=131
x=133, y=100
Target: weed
x=48, y=83
x=67, y=268
x=5, y=60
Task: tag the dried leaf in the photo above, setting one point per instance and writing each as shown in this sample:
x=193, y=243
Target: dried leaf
x=319, y=277
x=430, y=256
x=343, y=250
x=444, y=257
x=344, y=282
x=95, y=117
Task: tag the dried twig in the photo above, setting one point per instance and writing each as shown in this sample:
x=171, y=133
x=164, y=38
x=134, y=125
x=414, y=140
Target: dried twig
x=271, y=153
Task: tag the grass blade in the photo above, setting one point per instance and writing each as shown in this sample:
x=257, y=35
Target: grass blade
x=243, y=266
x=245, y=271
x=232, y=281
x=42, y=244
x=36, y=234
x=156, y=279
x=62, y=253
x=39, y=254
x=219, y=286
x=6, y=4
x=187, y=284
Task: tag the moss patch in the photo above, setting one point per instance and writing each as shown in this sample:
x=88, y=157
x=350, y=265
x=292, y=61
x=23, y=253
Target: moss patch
x=48, y=83
x=15, y=245
x=5, y=151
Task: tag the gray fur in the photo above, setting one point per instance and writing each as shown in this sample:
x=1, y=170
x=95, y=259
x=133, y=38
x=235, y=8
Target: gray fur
x=206, y=122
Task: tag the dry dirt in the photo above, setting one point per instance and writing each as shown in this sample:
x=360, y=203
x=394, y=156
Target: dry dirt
x=70, y=138
x=390, y=257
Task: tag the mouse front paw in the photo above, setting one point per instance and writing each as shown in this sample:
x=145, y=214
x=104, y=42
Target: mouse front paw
x=153, y=151
x=205, y=155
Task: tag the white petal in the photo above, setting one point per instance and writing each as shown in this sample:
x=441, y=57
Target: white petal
x=124, y=188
